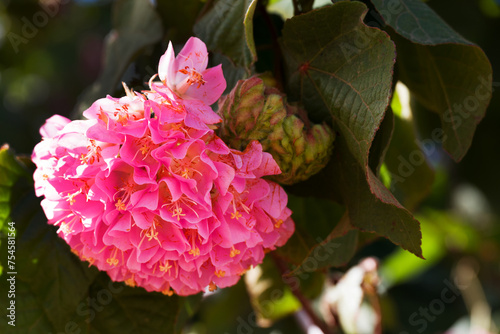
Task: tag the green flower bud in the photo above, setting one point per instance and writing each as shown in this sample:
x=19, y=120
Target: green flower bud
x=254, y=111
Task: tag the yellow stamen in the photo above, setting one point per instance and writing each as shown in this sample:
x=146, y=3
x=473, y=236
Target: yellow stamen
x=112, y=261
x=178, y=213
x=166, y=267
x=195, y=251
x=168, y=292
x=236, y=215
x=71, y=197
x=130, y=281
x=120, y=206
x=220, y=273
x=234, y=252
x=91, y=260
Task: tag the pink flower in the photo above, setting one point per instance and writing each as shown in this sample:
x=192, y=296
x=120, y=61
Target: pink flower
x=145, y=190
x=186, y=75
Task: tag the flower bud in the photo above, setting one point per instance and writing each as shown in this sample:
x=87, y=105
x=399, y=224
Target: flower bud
x=254, y=111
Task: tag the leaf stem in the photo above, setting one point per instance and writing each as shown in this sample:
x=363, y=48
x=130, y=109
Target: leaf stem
x=306, y=305
x=296, y=9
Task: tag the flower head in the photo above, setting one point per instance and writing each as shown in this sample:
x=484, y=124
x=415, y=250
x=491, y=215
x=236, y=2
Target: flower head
x=145, y=190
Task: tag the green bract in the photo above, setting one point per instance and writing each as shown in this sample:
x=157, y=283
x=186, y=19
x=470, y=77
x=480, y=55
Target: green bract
x=255, y=111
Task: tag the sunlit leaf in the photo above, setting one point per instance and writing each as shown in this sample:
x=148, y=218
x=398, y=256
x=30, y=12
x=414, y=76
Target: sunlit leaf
x=270, y=296
x=440, y=230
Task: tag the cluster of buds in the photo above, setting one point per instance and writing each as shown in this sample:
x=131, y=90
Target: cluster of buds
x=145, y=190
x=256, y=111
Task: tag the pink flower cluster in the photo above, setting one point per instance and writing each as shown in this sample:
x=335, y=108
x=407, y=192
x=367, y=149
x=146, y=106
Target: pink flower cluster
x=145, y=190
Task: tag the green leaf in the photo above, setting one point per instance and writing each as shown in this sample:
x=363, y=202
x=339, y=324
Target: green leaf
x=11, y=169
x=228, y=28
x=190, y=307
x=448, y=74
x=52, y=280
x=231, y=72
x=417, y=22
x=314, y=221
x=451, y=80
x=340, y=68
x=271, y=298
x=441, y=232
x=271, y=293
x=371, y=206
x=335, y=251
x=136, y=25
x=179, y=17
x=411, y=175
x=130, y=310
x=228, y=303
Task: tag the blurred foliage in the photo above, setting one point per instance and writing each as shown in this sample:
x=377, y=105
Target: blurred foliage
x=51, y=52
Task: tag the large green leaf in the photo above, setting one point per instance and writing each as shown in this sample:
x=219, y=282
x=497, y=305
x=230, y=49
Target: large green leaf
x=136, y=25
x=448, y=74
x=228, y=28
x=371, y=206
x=232, y=73
x=340, y=68
x=130, y=310
x=417, y=22
x=314, y=221
x=52, y=280
x=334, y=251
